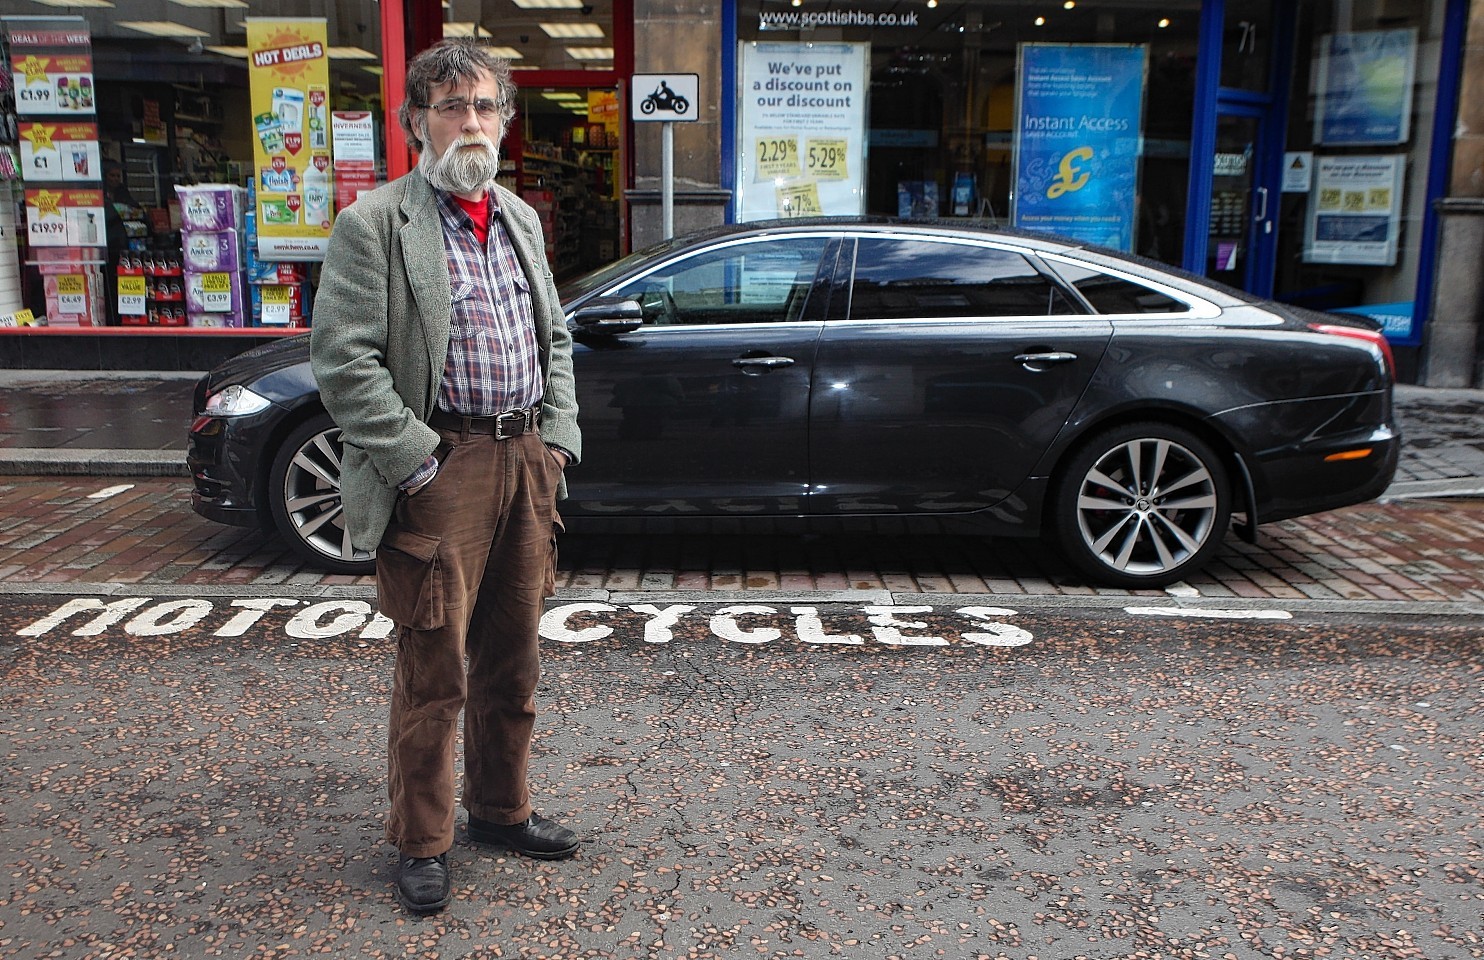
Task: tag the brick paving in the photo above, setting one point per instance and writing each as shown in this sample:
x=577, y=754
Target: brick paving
x=53, y=531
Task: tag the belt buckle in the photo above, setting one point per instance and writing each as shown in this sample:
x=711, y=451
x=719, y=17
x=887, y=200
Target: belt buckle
x=512, y=417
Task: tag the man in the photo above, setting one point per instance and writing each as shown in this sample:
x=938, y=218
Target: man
x=442, y=353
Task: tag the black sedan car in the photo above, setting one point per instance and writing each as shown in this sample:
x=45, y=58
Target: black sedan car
x=1027, y=386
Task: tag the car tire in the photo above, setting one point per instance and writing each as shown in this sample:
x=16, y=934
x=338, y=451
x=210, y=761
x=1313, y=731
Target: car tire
x=304, y=498
x=1141, y=505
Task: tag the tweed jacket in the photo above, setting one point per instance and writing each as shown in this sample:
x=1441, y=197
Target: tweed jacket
x=379, y=340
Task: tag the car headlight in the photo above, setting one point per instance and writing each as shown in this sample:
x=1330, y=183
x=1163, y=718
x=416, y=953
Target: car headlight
x=235, y=401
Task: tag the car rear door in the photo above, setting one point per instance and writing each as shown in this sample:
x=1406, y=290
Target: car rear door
x=949, y=369
x=703, y=411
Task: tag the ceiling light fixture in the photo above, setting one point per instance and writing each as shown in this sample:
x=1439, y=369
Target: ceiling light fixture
x=549, y=4
x=74, y=3
x=1040, y=21
x=1164, y=22
x=590, y=53
x=238, y=4
x=161, y=28
x=573, y=31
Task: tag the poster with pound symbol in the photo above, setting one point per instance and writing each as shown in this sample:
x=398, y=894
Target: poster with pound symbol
x=1077, y=140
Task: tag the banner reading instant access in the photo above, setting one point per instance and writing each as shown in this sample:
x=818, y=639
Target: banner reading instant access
x=1079, y=116
x=289, y=71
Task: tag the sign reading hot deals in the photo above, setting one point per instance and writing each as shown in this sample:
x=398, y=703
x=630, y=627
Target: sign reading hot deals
x=1077, y=137
x=289, y=74
x=802, y=139
x=1355, y=210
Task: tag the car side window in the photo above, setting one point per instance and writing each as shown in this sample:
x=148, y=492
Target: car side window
x=761, y=281
x=905, y=279
x=1110, y=294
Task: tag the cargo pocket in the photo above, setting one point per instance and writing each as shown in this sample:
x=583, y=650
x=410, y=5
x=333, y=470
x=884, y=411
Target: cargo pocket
x=409, y=579
x=548, y=583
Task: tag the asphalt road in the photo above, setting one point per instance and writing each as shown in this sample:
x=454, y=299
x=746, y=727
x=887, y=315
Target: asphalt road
x=192, y=771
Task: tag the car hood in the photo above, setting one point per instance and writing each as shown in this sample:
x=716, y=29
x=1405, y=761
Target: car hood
x=247, y=368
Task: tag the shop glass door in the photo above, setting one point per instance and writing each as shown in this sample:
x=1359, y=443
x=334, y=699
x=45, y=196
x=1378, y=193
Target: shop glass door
x=1240, y=237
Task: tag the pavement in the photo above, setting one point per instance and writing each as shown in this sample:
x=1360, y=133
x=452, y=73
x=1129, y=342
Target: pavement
x=91, y=423
x=1418, y=547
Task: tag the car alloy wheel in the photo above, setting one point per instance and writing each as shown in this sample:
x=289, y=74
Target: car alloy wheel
x=1142, y=505
x=304, y=498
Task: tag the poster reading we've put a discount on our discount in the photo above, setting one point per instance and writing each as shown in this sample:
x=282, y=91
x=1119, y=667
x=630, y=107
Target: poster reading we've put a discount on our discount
x=802, y=139
x=289, y=73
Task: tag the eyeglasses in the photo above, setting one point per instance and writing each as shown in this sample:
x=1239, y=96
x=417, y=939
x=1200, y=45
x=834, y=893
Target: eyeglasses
x=455, y=108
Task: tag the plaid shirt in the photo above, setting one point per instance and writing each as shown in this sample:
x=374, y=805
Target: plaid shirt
x=493, y=364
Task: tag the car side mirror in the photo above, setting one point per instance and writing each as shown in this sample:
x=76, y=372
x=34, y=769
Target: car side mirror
x=609, y=316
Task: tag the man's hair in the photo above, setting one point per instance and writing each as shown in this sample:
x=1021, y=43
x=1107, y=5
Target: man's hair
x=456, y=60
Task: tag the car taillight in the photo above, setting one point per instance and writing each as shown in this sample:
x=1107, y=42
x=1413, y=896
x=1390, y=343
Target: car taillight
x=1374, y=337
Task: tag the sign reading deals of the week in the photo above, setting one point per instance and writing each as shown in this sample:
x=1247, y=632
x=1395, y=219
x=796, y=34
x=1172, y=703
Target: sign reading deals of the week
x=289, y=71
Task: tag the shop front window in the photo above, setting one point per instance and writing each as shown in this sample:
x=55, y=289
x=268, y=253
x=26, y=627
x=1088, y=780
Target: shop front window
x=1354, y=189
x=942, y=120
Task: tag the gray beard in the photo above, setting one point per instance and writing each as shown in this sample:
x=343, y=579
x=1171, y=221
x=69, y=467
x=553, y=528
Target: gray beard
x=459, y=170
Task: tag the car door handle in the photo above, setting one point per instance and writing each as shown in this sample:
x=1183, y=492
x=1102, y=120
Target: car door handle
x=1044, y=359
x=768, y=362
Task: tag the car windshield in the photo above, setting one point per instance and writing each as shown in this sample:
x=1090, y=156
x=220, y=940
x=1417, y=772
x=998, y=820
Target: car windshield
x=596, y=279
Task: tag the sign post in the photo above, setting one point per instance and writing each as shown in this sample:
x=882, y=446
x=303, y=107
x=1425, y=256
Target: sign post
x=667, y=98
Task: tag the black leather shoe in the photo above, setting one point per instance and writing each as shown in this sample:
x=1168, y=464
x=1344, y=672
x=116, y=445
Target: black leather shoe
x=536, y=837
x=423, y=884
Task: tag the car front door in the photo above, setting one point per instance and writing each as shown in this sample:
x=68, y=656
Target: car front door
x=948, y=375
x=703, y=410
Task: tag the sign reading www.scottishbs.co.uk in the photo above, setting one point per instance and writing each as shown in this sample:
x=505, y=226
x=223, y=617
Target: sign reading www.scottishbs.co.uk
x=577, y=622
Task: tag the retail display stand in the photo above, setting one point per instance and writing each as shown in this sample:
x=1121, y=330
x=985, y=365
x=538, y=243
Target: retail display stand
x=49, y=63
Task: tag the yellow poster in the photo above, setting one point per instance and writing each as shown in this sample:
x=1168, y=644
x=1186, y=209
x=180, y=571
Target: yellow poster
x=289, y=71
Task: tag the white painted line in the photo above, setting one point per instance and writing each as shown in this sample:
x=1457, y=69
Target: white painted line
x=107, y=492
x=1212, y=614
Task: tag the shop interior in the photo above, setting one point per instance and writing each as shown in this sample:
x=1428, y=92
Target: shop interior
x=173, y=110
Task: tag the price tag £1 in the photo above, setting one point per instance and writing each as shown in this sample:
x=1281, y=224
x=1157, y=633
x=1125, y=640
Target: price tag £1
x=825, y=159
x=132, y=295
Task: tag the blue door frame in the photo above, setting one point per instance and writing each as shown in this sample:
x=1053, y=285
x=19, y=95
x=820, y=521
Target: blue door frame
x=1270, y=110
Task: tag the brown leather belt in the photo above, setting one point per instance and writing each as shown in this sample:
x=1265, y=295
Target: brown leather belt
x=501, y=426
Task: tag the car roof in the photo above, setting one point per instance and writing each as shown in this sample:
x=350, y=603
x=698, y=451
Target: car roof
x=985, y=229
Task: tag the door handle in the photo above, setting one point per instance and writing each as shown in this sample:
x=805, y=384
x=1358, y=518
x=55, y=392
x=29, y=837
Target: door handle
x=766, y=362
x=1262, y=204
x=1038, y=361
